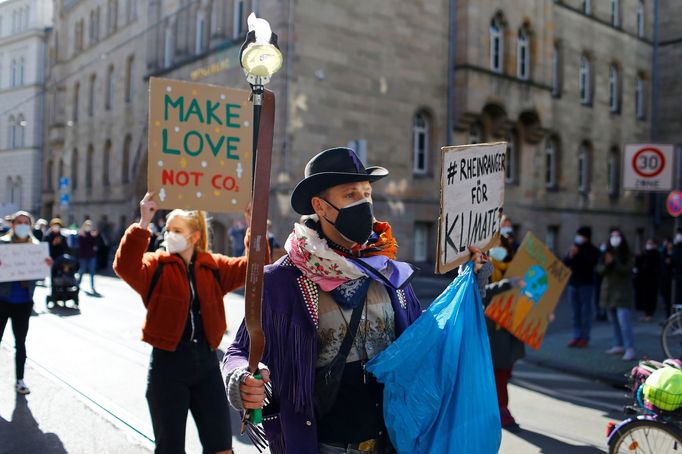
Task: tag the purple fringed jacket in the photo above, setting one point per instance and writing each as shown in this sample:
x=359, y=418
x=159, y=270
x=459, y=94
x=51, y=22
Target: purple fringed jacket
x=290, y=321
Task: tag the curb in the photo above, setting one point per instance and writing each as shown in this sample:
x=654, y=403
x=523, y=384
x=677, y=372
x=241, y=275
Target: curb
x=616, y=380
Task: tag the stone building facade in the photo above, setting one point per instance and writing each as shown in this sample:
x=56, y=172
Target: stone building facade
x=567, y=83
x=669, y=125
x=23, y=32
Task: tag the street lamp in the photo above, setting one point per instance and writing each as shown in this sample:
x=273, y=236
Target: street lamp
x=261, y=58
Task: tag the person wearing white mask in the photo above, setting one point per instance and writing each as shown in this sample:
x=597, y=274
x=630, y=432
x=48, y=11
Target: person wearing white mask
x=182, y=289
x=16, y=298
x=615, y=267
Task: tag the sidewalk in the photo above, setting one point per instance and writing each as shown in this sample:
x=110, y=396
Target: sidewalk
x=55, y=419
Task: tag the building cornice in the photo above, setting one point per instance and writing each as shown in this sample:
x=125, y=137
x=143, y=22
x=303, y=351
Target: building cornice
x=670, y=42
x=32, y=33
x=37, y=86
x=529, y=82
x=222, y=46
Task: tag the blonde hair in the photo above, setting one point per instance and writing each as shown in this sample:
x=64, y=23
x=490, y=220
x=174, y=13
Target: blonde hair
x=196, y=221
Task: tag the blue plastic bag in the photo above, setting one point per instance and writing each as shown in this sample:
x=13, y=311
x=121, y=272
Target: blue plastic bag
x=439, y=386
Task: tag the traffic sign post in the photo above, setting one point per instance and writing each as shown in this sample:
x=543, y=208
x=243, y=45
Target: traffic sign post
x=648, y=167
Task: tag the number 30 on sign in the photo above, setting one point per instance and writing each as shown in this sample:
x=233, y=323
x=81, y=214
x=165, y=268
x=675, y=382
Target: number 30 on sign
x=648, y=167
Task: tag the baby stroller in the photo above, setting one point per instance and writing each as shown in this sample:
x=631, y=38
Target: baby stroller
x=64, y=283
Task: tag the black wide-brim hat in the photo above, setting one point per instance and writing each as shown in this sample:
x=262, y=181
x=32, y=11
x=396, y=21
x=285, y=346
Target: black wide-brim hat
x=330, y=168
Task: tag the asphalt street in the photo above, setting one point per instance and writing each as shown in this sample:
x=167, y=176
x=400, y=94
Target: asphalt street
x=87, y=369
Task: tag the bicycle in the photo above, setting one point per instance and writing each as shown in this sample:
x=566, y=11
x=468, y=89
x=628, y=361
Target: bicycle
x=671, y=334
x=650, y=431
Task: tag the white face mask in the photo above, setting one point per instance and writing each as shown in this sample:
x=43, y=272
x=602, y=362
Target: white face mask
x=615, y=241
x=678, y=238
x=506, y=230
x=175, y=242
x=579, y=239
x=22, y=230
x=498, y=253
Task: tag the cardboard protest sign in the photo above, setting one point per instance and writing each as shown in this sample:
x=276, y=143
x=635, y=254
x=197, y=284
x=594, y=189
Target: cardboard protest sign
x=524, y=311
x=23, y=262
x=471, y=200
x=200, y=146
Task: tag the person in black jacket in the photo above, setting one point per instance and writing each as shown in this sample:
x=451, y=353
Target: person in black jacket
x=648, y=276
x=582, y=259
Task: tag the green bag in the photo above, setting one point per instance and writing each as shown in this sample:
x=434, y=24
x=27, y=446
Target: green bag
x=663, y=388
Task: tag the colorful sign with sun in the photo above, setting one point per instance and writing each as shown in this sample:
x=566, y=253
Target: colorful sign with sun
x=200, y=146
x=525, y=310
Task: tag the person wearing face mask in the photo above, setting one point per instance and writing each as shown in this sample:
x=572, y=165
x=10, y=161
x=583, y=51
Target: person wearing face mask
x=677, y=266
x=87, y=253
x=507, y=234
x=582, y=259
x=615, y=267
x=648, y=274
x=340, y=267
x=57, y=242
x=16, y=298
x=183, y=289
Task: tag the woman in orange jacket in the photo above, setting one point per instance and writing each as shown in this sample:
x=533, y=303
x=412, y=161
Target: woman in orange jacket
x=182, y=289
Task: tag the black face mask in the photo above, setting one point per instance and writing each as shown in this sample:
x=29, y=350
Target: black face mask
x=355, y=221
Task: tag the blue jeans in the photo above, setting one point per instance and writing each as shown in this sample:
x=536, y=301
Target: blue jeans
x=581, y=301
x=87, y=266
x=621, y=319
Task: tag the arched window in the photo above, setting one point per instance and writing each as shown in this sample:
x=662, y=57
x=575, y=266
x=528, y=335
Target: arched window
x=640, y=19
x=476, y=133
x=13, y=73
x=615, y=13
x=112, y=16
x=496, y=44
x=49, y=176
x=639, y=98
x=169, y=45
x=614, y=84
x=125, y=160
x=60, y=170
x=76, y=100
x=88, y=166
x=130, y=78
x=131, y=12
x=74, y=169
x=199, y=46
x=420, y=143
x=587, y=7
x=511, y=159
x=556, y=71
x=91, y=95
x=238, y=19
x=11, y=132
x=21, y=71
x=585, y=84
x=106, y=163
x=551, y=163
x=9, y=189
x=584, y=168
x=20, y=127
x=523, y=54
x=613, y=171
x=16, y=196
x=110, y=89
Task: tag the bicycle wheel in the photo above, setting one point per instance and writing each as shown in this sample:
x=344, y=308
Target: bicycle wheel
x=645, y=436
x=671, y=336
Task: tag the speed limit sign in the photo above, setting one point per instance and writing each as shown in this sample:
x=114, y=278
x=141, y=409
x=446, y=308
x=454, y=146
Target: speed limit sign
x=648, y=167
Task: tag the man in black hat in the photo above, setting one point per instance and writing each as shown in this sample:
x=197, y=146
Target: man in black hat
x=582, y=259
x=338, y=298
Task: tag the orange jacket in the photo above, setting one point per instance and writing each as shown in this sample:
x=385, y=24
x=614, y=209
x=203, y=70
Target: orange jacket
x=168, y=308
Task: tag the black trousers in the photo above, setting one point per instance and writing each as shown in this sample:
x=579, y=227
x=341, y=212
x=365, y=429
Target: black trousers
x=19, y=314
x=188, y=379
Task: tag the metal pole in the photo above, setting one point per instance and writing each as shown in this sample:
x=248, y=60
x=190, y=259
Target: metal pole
x=452, y=51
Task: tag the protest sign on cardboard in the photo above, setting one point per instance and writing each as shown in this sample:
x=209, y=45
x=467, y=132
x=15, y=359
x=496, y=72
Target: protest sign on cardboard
x=524, y=311
x=200, y=146
x=23, y=262
x=471, y=201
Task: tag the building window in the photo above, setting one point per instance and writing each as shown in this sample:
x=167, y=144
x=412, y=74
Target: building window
x=21, y=71
x=88, y=167
x=587, y=7
x=614, y=84
x=476, y=133
x=91, y=95
x=76, y=101
x=523, y=55
x=110, y=88
x=13, y=73
x=74, y=169
x=639, y=98
x=552, y=238
x=78, y=37
x=238, y=19
x=131, y=12
x=496, y=45
x=359, y=146
x=511, y=159
x=200, y=33
x=112, y=16
x=421, y=237
x=615, y=13
x=11, y=131
x=584, y=82
x=640, y=19
x=420, y=143
x=125, y=160
x=584, y=169
x=49, y=179
x=169, y=46
x=98, y=16
x=551, y=163
x=91, y=28
x=130, y=78
x=106, y=163
x=556, y=71
x=613, y=172
x=20, y=128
